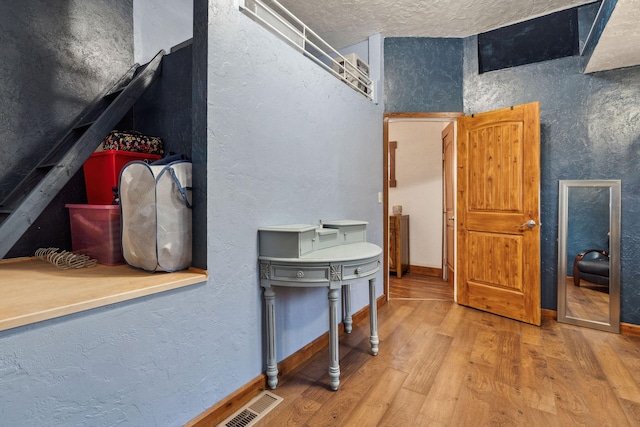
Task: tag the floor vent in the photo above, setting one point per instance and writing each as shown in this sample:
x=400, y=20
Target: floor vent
x=253, y=411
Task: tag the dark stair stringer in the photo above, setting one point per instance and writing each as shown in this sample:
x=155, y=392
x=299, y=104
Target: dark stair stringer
x=28, y=200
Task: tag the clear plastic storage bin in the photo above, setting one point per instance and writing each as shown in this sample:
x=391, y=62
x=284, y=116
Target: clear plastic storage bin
x=95, y=231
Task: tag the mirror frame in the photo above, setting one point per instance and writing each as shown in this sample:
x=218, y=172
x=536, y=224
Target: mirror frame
x=614, y=186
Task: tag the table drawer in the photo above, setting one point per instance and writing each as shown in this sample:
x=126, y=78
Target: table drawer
x=360, y=269
x=294, y=273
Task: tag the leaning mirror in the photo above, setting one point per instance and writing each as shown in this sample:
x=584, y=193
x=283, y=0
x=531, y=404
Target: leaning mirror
x=589, y=254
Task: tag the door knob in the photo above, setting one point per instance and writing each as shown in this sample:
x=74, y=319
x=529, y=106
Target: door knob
x=531, y=223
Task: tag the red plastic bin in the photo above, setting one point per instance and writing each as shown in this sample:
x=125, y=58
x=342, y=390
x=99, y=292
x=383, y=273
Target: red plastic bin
x=102, y=170
x=95, y=231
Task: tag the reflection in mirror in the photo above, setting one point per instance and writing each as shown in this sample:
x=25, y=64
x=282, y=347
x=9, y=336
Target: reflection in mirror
x=589, y=254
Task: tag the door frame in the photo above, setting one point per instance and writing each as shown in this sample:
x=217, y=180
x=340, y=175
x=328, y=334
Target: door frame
x=422, y=116
x=446, y=184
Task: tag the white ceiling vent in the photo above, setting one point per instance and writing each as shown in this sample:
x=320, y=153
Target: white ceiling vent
x=253, y=411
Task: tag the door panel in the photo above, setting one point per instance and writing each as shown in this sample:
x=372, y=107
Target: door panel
x=498, y=192
x=502, y=269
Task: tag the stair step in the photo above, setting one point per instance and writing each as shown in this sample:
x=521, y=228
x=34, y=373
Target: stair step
x=123, y=82
x=57, y=152
x=46, y=166
x=25, y=186
x=84, y=126
x=113, y=94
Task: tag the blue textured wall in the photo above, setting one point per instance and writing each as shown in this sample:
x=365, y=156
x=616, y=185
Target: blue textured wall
x=590, y=129
x=160, y=24
x=285, y=143
x=422, y=74
x=288, y=143
x=55, y=58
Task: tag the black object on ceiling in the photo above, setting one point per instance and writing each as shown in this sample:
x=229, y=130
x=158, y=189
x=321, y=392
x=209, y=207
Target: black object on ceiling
x=547, y=37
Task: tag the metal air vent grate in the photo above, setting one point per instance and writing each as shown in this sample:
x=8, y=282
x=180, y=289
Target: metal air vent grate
x=253, y=411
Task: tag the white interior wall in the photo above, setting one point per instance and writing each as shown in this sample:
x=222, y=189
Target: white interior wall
x=160, y=24
x=361, y=49
x=419, y=186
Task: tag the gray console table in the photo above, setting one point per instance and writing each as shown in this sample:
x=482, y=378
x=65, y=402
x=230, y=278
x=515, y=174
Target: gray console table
x=331, y=255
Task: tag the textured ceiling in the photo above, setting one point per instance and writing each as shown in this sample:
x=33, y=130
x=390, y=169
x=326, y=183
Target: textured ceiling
x=346, y=22
x=619, y=44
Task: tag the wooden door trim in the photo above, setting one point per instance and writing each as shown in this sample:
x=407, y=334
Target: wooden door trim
x=449, y=129
x=452, y=116
x=385, y=206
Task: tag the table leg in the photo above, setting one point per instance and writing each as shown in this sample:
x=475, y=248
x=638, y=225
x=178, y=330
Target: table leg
x=270, y=310
x=334, y=365
x=346, y=297
x=373, y=317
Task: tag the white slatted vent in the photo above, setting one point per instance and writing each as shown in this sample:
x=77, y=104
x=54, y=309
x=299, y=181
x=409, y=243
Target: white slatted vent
x=253, y=411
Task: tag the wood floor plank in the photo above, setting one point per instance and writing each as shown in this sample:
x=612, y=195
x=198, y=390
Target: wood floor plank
x=407, y=343
x=377, y=400
x=423, y=374
x=412, y=351
x=404, y=409
x=554, y=345
x=293, y=411
x=436, y=311
x=570, y=401
x=485, y=351
x=442, y=399
x=603, y=371
x=356, y=377
x=537, y=388
x=508, y=366
x=355, y=349
x=615, y=371
x=340, y=404
x=415, y=286
x=531, y=334
x=450, y=324
x=484, y=401
x=628, y=349
x=632, y=409
x=580, y=352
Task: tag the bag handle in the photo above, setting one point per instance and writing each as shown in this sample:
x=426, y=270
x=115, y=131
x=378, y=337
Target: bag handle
x=183, y=190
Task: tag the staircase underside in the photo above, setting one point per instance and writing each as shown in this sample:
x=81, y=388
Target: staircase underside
x=32, y=195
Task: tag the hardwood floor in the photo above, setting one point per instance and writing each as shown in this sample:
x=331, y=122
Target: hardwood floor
x=419, y=287
x=441, y=364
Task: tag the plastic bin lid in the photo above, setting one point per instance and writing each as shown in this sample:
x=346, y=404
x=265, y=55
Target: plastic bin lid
x=81, y=206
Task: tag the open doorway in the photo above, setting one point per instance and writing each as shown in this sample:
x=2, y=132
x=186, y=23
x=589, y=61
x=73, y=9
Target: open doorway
x=415, y=252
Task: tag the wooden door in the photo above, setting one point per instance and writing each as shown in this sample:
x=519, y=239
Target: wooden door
x=498, y=216
x=449, y=214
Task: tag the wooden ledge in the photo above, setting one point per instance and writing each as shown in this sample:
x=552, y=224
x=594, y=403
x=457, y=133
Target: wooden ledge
x=32, y=290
